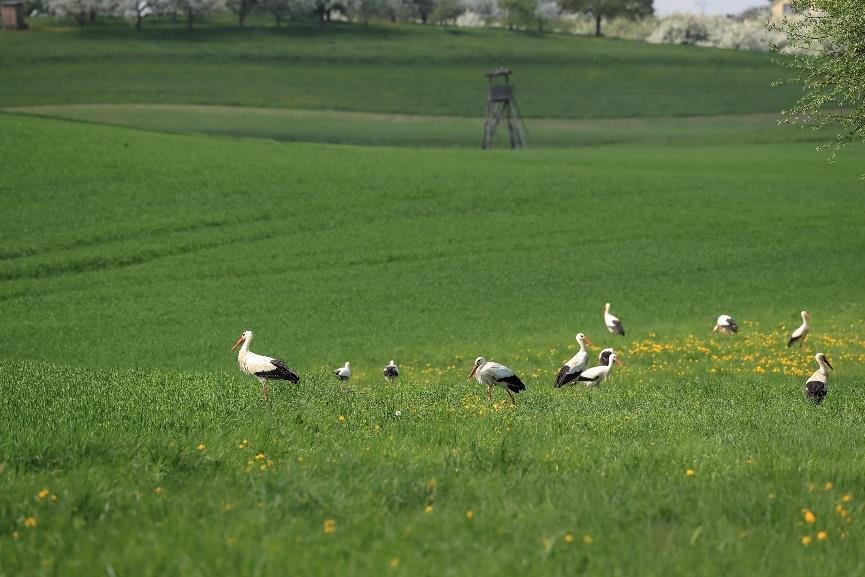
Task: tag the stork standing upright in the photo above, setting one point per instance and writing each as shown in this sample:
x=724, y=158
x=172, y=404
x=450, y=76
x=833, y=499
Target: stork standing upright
x=391, y=371
x=572, y=369
x=495, y=375
x=599, y=374
x=816, y=385
x=604, y=356
x=344, y=372
x=614, y=325
x=261, y=367
x=726, y=325
x=801, y=333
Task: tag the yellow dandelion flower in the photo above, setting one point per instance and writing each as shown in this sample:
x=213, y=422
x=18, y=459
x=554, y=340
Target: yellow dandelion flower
x=200, y=447
x=569, y=538
x=470, y=514
x=30, y=522
x=828, y=486
x=260, y=456
x=847, y=498
x=587, y=539
x=15, y=535
x=743, y=535
x=43, y=493
x=394, y=563
x=806, y=539
x=159, y=491
x=821, y=535
x=809, y=516
x=839, y=508
x=428, y=509
x=54, y=498
x=329, y=526
x=690, y=472
x=341, y=419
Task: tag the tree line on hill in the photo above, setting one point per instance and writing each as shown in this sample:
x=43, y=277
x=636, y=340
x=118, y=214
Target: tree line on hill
x=511, y=14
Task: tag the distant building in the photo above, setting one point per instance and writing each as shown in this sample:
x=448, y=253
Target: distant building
x=12, y=15
x=781, y=8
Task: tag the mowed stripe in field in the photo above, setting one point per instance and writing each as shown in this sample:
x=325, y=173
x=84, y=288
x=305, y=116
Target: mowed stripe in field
x=165, y=247
x=341, y=127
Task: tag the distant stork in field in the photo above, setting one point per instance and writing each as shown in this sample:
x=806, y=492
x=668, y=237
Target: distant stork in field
x=726, y=325
x=614, y=325
x=604, y=356
x=801, y=333
x=815, y=386
x=598, y=374
x=261, y=367
x=391, y=371
x=343, y=373
x=495, y=375
x=572, y=369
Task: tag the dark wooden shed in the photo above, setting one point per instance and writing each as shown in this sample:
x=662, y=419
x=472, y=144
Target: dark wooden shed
x=12, y=15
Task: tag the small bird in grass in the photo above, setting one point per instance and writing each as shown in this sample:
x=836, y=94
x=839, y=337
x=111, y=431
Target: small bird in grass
x=815, y=386
x=725, y=325
x=801, y=333
x=495, y=375
x=391, y=371
x=343, y=373
x=572, y=369
x=604, y=356
x=614, y=325
x=599, y=374
x=261, y=367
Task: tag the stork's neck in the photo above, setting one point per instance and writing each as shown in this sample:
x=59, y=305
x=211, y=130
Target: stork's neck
x=804, y=321
x=582, y=346
x=244, y=349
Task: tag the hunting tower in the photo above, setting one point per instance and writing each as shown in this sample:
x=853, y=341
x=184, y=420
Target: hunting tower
x=501, y=105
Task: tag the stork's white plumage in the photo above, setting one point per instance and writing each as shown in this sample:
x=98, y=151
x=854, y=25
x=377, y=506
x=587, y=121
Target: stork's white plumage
x=614, y=325
x=391, y=371
x=599, y=374
x=604, y=356
x=572, y=369
x=261, y=367
x=495, y=375
x=816, y=385
x=801, y=333
x=726, y=325
x=344, y=372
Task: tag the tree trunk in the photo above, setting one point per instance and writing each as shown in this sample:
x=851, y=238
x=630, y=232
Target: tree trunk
x=423, y=17
x=278, y=17
x=241, y=16
x=138, y=19
x=189, y=17
x=598, y=24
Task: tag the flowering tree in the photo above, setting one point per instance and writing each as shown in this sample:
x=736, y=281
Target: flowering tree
x=78, y=10
x=196, y=9
x=546, y=11
x=828, y=40
x=600, y=9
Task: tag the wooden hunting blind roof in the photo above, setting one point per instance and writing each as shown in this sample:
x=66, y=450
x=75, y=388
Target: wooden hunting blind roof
x=500, y=71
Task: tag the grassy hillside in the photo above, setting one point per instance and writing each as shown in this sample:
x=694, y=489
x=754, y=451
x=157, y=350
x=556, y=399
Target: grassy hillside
x=160, y=249
x=389, y=69
x=186, y=473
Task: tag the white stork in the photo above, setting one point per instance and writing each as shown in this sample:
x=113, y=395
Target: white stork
x=801, y=333
x=391, y=371
x=614, y=325
x=261, y=367
x=815, y=386
x=572, y=369
x=343, y=373
x=725, y=325
x=604, y=355
x=598, y=374
x=495, y=375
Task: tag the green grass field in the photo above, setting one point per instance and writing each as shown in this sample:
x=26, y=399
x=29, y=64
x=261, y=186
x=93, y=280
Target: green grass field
x=155, y=209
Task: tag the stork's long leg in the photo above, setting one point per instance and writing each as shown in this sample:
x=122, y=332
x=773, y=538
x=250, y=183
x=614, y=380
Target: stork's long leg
x=513, y=399
x=489, y=393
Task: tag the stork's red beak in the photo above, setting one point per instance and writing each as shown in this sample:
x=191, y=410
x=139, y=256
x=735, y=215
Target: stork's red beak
x=589, y=341
x=828, y=364
x=237, y=344
x=472, y=373
x=619, y=362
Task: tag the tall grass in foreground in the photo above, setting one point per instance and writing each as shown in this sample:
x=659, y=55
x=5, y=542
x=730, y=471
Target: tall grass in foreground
x=160, y=472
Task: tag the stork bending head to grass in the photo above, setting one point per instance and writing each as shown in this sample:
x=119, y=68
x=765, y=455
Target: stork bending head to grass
x=725, y=325
x=391, y=371
x=262, y=368
x=801, y=333
x=572, y=369
x=495, y=375
x=599, y=374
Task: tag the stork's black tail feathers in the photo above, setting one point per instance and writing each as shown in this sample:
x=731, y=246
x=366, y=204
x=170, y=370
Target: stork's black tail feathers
x=515, y=385
x=281, y=372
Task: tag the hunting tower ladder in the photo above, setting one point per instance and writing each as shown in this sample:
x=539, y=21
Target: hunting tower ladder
x=501, y=105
